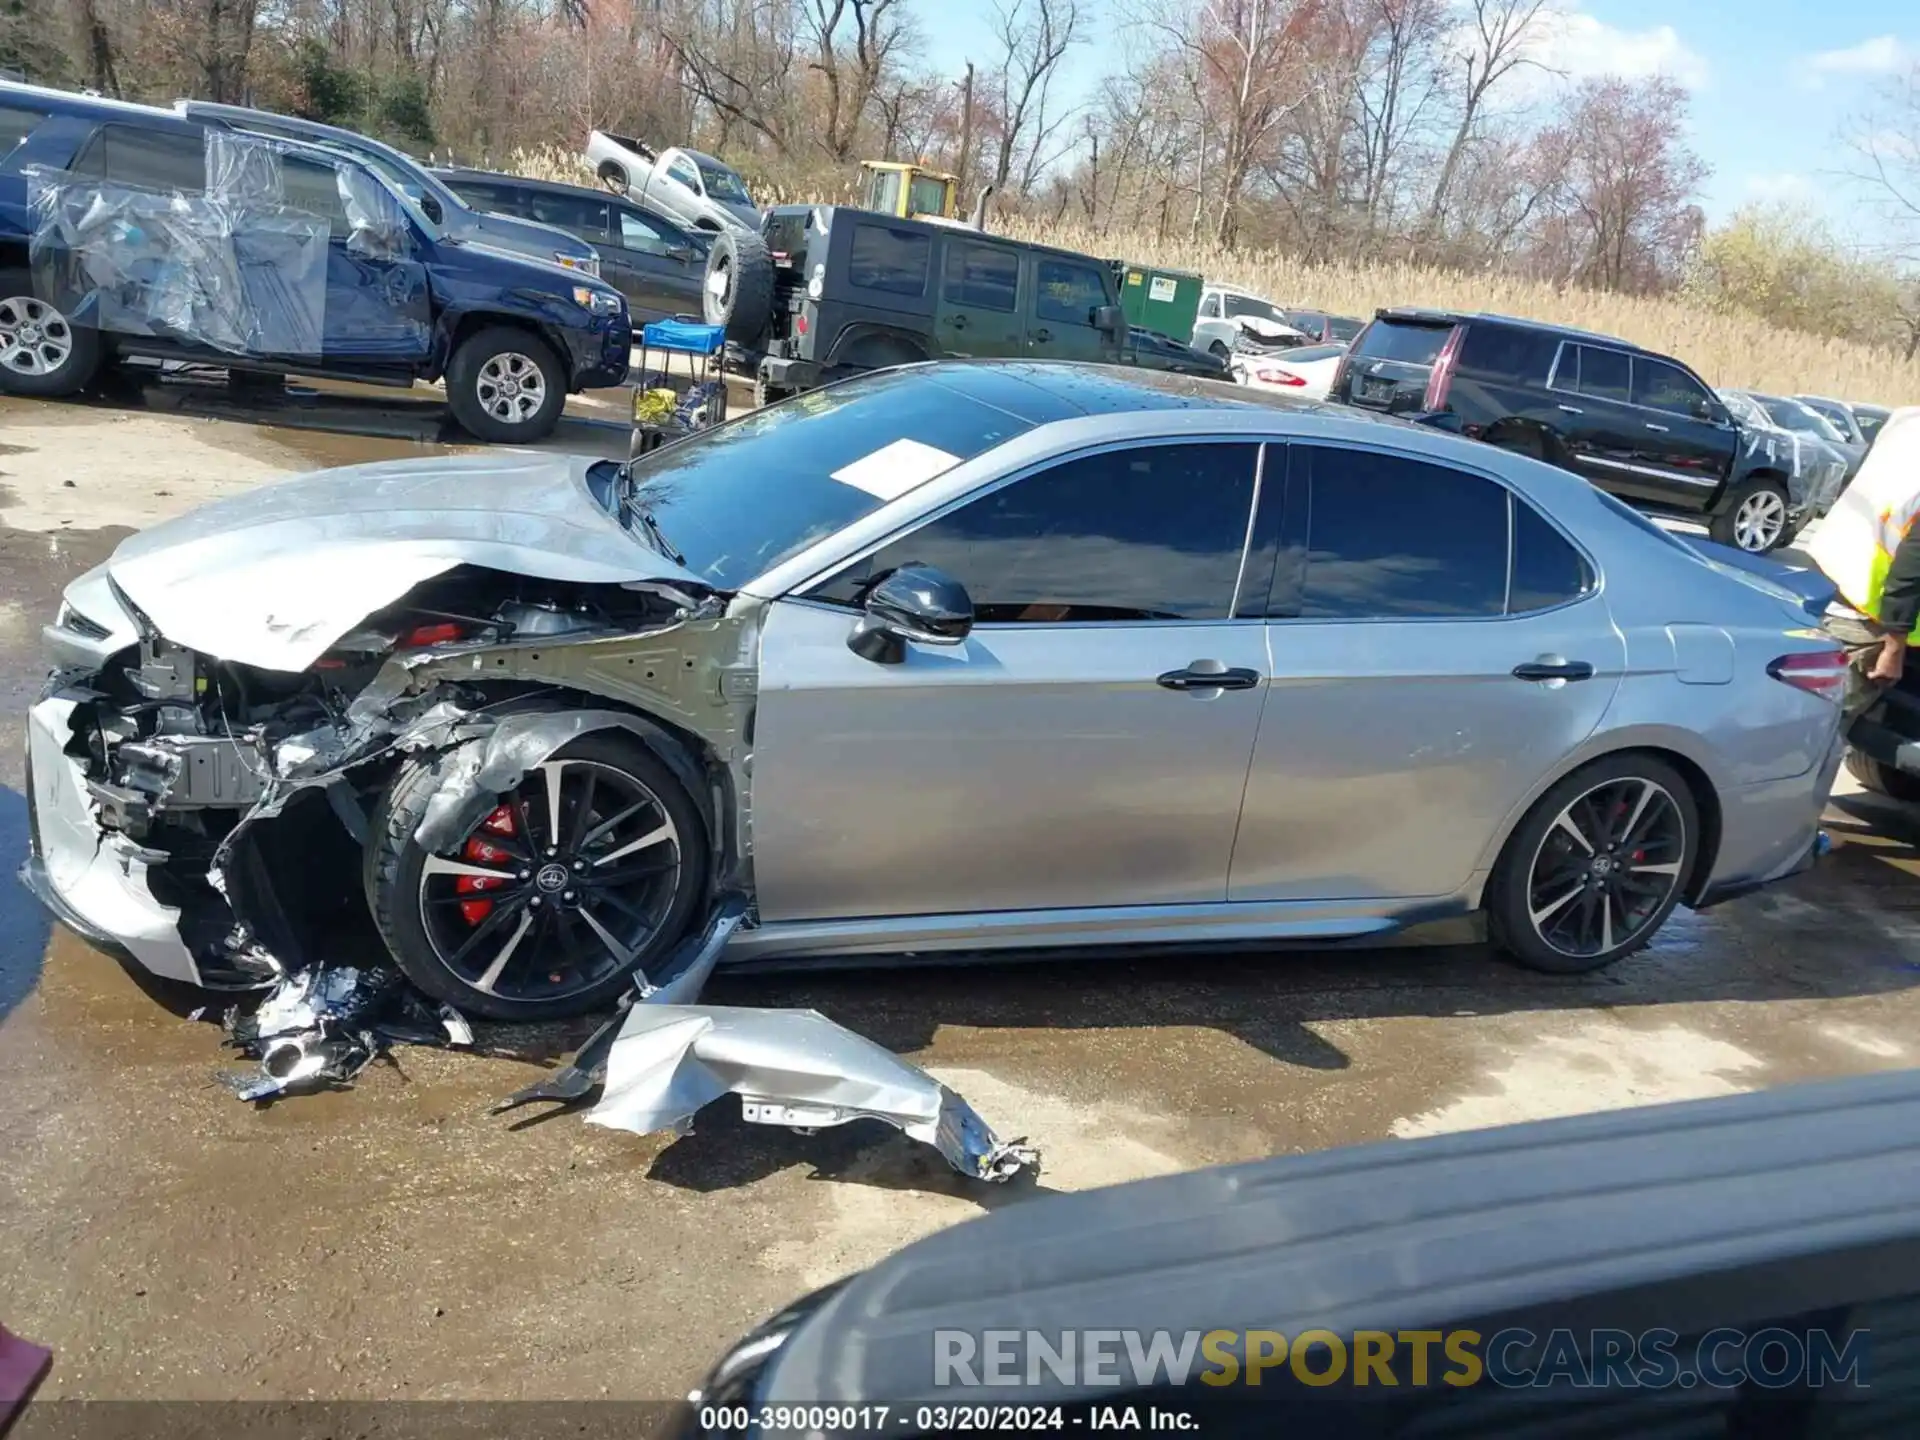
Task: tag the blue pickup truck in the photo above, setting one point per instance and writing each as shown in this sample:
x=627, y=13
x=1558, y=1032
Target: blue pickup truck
x=128, y=230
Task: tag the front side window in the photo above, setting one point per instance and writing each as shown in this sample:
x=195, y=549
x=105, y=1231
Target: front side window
x=926, y=197
x=1603, y=374
x=314, y=188
x=1069, y=292
x=1660, y=386
x=16, y=123
x=683, y=173
x=640, y=234
x=723, y=184
x=981, y=277
x=1391, y=537
x=1154, y=532
x=889, y=260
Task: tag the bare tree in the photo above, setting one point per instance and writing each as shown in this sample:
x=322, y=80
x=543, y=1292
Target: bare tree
x=1497, y=46
x=1033, y=36
x=851, y=74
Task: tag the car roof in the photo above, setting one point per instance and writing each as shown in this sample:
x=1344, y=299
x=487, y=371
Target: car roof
x=700, y=157
x=74, y=102
x=1421, y=314
x=522, y=182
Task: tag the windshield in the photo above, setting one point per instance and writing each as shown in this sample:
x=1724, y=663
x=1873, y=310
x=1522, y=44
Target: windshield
x=1790, y=415
x=723, y=185
x=1744, y=409
x=1239, y=305
x=739, y=499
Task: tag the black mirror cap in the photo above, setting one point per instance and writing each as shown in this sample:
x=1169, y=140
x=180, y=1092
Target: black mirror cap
x=430, y=207
x=922, y=602
x=1110, y=318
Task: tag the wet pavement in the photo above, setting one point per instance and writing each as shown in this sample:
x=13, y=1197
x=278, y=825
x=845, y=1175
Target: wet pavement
x=396, y=1240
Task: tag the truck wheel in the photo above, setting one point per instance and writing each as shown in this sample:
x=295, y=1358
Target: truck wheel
x=613, y=175
x=738, y=293
x=41, y=351
x=1883, y=779
x=504, y=385
x=1756, y=519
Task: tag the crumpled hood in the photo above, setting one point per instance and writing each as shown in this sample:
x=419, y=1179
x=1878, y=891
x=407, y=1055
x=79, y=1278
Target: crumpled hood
x=275, y=576
x=1264, y=328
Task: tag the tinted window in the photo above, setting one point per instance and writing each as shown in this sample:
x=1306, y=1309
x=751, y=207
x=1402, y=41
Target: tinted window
x=1069, y=292
x=1341, y=329
x=981, y=277
x=1661, y=386
x=1502, y=353
x=578, y=213
x=16, y=123
x=1387, y=536
x=926, y=197
x=314, y=188
x=1309, y=322
x=740, y=498
x=151, y=159
x=724, y=185
x=1603, y=374
x=489, y=197
x=1399, y=340
x=639, y=234
x=895, y=261
x=1547, y=571
x=1150, y=533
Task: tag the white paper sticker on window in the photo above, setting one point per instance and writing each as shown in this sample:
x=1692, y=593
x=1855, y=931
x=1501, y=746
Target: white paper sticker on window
x=892, y=470
x=1161, y=289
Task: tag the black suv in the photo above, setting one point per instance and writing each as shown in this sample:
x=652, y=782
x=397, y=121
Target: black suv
x=824, y=292
x=1637, y=424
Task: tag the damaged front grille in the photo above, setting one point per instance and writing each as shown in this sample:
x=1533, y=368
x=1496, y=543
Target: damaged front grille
x=72, y=620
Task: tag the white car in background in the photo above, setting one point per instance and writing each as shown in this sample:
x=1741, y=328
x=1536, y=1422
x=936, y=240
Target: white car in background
x=1306, y=372
x=1230, y=320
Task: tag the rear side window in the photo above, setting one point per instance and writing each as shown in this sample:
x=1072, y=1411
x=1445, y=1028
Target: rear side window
x=890, y=260
x=16, y=123
x=1388, y=536
x=489, y=197
x=1603, y=374
x=1500, y=352
x=1342, y=329
x=150, y=159
x=1402, y=340
x=1068, y=293
x=981, y=277
x=1661, y=386
x=575, y=213
x=314, y=188
x=1547, y=571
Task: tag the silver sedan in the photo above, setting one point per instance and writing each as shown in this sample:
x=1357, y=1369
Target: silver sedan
x=959, y=657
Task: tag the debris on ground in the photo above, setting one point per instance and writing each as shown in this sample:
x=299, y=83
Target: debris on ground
x=323, y=1025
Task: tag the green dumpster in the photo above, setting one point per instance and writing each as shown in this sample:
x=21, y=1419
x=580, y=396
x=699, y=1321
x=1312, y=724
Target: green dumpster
x=1159, y=299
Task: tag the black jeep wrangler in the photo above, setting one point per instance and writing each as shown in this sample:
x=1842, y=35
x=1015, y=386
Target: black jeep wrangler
x=826, y=291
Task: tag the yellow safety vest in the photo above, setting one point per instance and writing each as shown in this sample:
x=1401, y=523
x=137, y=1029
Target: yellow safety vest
x=1854, y=544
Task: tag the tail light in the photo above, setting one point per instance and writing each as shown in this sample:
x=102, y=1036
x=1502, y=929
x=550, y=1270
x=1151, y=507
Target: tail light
x=1274, y=375
x=1818, y=672
x=1441, y=377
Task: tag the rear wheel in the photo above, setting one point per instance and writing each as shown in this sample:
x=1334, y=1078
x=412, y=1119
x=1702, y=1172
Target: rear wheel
x=589, y=869
x=738, y=291
x=1596, y=866
x=42, y=352
x=1883, y=779
x=505, y=385
x=1756, y=519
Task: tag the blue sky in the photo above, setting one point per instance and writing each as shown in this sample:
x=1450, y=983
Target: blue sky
x=1773, y=81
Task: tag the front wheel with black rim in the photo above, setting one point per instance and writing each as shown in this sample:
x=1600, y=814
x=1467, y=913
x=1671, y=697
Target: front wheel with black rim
x=42, y=352
x=1755, y=519
x=504, y=385
x=1596, y=867
x=588, y=870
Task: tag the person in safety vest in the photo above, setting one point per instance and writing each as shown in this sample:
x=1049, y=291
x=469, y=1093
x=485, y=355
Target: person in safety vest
x=1869, y=547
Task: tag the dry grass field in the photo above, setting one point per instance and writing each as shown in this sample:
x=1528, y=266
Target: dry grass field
x=1730, y=350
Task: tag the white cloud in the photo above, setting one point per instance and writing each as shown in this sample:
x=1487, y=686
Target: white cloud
x=1882, y=55
x=1783, y=187
x=1569, y=45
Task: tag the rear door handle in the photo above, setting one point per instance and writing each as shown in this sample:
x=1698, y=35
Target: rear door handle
x=1226, y=678
x=1553, y=670
x=1572, y=409
x=1660, y=428
x=958, y=322
x=1043, y=335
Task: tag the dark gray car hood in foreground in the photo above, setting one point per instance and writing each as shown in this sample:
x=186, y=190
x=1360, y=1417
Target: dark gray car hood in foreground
x=275, y=576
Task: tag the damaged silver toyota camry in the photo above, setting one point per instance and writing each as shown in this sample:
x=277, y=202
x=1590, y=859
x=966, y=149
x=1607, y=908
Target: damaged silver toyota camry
x=964, y=657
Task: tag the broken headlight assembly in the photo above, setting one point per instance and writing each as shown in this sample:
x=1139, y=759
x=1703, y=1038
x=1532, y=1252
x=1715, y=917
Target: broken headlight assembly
x=598, y=302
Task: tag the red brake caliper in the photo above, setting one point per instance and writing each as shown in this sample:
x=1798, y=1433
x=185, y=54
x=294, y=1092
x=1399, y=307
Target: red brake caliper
x=479, y=852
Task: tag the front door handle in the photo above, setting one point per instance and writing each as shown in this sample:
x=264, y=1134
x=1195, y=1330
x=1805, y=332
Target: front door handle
x=1202, y=675
x=1571, y=409
x=1043, y=334
x=1553, y=670
x=1659, y=428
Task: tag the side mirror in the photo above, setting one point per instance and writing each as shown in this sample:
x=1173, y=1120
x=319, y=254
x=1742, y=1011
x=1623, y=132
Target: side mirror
x=430, y=208
x=1712, y=412
x=917, y=603
x=684, y=254
x=1110, y=318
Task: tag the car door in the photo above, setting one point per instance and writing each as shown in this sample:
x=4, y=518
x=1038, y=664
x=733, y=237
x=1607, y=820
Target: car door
x=1067, y=293
x=655, y=264
x=682, y=191
x=378, y=305
x=1070, y=753
x=1604, y=435
x=1681, y=438
x=980, y=312
x=1398, y=738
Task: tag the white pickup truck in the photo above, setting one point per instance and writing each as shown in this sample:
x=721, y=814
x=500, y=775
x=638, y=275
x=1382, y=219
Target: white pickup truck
x=684, y=185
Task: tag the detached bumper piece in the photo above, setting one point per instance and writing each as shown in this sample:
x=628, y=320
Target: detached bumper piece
x=789, y=1067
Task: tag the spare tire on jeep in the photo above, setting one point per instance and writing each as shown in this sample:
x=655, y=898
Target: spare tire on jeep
x=738, y=293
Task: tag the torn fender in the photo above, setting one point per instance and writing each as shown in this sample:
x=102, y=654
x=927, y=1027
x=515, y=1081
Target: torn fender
x=789, y=1067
